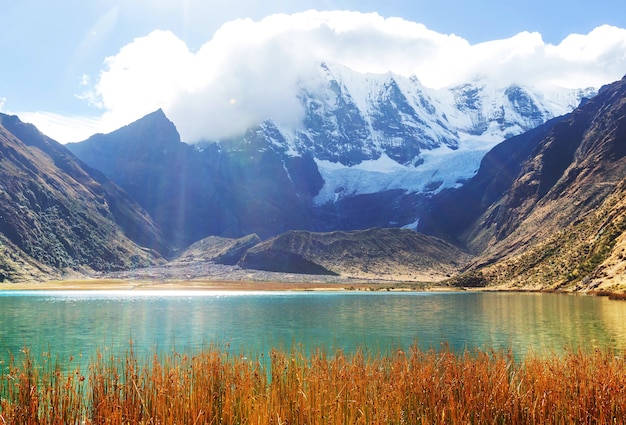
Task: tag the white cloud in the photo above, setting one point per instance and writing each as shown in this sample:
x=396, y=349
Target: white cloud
x=69, y=129
x=249, y=70
x=146, y=74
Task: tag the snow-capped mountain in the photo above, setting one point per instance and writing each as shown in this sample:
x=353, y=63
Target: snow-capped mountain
x=370, y=133
x=368, y=151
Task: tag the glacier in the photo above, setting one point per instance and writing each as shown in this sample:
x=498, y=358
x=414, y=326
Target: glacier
x=370, y=133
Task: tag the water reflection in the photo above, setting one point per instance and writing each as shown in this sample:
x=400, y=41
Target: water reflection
x=545, y=321
x=613, y=315
x=79, y=322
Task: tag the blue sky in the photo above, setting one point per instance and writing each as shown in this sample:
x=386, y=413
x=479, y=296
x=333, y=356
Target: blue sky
x=55, y=71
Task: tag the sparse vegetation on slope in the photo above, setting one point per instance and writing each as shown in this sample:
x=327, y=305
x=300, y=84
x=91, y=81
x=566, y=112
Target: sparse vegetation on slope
x=16, y=266
x=55, y=216
x=392, y=254
x=574, y=258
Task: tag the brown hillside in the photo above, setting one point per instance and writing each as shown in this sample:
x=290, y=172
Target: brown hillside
x=561, y=223
x=55, y=216
x=393, y=254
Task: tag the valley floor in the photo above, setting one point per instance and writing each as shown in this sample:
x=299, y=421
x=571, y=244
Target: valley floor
x=210, y=276
x=214, y=285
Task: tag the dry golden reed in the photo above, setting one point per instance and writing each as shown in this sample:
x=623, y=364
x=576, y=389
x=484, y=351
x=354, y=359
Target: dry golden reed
x=292, y=387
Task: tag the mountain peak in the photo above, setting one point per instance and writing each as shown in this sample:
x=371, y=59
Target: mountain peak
x=152, y=134
x=25, y=131
x=156, y=117
x=155, y=128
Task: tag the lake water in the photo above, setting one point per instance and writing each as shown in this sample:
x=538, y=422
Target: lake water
x=79, y=322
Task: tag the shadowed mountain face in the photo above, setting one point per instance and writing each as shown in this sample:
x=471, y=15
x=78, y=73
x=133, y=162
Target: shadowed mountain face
x=559, y=221
x=452, y=212
x=196, y=191
x=56, y=214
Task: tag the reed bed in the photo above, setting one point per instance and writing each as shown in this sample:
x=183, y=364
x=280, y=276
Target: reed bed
x=294, y=387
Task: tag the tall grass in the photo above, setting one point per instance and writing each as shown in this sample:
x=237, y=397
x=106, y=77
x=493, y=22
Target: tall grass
x=292, y=387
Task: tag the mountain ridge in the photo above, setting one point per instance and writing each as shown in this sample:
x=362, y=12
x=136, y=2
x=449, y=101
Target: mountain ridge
x=391, y=254
x=560, y=223
x=545, y=209
x=55, y=216
x=370, y=151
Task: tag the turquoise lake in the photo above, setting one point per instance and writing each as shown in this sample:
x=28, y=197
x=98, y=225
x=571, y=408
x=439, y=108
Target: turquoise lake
x=80, y=322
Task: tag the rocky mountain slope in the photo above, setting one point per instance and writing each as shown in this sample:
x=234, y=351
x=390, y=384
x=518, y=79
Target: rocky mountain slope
x=369, y=150
x=559, y=221
x=57, y=215
x=218, y=250
x=392, y=254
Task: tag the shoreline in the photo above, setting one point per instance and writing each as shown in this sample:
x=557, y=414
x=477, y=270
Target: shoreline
x=221, y=285
x=233, y=285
